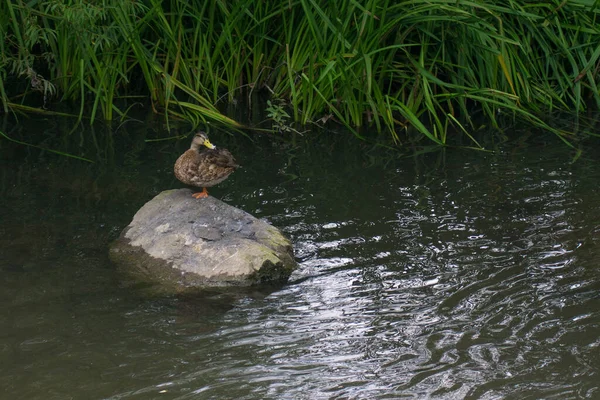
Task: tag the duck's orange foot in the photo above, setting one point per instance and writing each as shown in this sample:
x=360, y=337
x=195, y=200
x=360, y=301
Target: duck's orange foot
x=201, y=195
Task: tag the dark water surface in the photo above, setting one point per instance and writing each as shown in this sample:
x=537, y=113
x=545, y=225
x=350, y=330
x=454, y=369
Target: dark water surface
x=451, y=275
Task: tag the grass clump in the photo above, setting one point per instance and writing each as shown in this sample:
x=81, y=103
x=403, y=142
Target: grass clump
x=434, y=66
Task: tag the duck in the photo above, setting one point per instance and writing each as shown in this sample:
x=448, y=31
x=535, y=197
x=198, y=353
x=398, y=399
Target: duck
x=204, y=165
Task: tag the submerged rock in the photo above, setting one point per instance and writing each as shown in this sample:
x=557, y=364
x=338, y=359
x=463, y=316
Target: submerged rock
x=183, y=242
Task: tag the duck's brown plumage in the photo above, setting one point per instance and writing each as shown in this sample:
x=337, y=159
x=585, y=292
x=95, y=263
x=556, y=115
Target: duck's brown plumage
x=204, y=167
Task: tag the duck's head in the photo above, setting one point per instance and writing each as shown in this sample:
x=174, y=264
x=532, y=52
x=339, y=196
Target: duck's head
x=200, y=139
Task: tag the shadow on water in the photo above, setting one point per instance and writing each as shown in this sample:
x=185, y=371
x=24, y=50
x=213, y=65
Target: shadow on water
x=447, y=274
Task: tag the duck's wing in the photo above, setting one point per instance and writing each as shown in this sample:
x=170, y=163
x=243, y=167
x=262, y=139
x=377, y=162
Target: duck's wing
x=221, y=158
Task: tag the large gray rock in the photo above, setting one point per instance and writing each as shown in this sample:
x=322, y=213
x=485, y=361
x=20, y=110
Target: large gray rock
x=182, y=242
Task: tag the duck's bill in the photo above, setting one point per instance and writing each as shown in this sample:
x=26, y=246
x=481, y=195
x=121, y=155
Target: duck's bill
x=208, y=144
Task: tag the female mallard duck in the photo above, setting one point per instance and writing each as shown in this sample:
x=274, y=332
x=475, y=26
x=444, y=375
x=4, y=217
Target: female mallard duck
x=206, y=167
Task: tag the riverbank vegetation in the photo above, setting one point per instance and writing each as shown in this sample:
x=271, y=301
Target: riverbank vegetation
x=433, y=66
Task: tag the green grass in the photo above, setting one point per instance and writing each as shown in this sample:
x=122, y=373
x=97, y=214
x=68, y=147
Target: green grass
x=439, y=67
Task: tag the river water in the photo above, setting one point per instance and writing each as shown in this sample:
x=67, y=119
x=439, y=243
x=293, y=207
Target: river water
x=451, y=274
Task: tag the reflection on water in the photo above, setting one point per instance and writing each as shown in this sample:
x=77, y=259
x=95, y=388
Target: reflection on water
x=455, y=274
